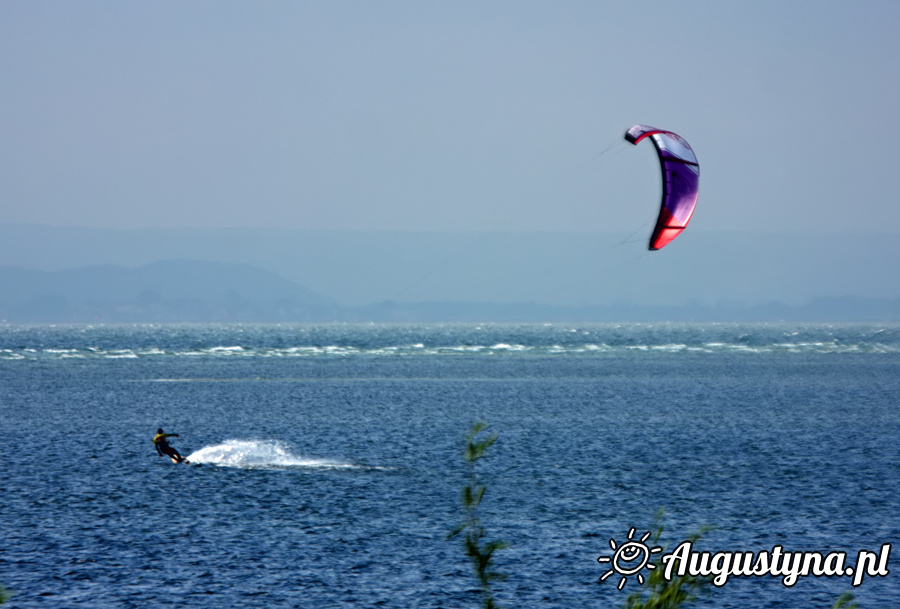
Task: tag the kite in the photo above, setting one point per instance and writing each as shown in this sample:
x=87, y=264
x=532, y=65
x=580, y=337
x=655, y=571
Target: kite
x=680, y=180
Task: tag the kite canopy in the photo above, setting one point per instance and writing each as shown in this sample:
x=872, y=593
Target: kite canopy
x=680, y=178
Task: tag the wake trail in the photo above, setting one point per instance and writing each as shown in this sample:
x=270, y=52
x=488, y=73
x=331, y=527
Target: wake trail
x=250, y=454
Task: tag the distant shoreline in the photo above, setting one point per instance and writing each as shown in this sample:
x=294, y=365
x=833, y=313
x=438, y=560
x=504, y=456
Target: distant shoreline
x=55, y=274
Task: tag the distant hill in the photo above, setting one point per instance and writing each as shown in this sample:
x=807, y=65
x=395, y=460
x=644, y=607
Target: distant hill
x=362, y=268
x=60, y=274
x=166, y=291
x=174, y=291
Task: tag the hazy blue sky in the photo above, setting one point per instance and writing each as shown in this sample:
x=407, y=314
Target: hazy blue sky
x=446, y=115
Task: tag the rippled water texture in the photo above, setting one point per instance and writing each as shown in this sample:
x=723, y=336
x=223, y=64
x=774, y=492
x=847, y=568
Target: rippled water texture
x=326, y=464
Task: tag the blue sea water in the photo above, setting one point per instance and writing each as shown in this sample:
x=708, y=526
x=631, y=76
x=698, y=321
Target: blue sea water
x=328, y=459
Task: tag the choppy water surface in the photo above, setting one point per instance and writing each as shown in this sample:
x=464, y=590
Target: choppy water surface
x=327, y=459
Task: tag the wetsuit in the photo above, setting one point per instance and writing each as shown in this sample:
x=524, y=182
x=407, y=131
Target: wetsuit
x=162, y=446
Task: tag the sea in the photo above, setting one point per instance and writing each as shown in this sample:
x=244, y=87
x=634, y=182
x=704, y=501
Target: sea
x=327, y=462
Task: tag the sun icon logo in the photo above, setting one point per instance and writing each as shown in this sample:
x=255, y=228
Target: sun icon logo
x=629, y=558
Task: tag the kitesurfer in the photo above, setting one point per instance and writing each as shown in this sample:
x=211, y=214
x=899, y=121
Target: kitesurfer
x=161, y=442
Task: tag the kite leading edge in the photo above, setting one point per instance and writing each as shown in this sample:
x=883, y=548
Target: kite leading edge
x=680, y=179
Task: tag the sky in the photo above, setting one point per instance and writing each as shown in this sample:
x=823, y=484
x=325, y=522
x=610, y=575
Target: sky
x=446, y=116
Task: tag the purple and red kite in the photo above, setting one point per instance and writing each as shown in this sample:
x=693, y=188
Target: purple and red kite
x=680, y=179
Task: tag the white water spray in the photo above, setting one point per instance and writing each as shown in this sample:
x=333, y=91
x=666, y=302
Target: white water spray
x=257, y=454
